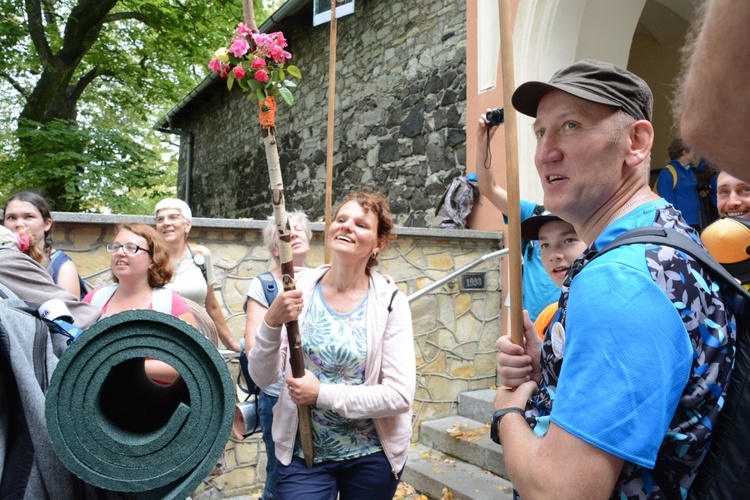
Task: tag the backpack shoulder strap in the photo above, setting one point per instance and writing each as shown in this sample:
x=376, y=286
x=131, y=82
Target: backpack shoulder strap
x=670, y=238
x=56, y=261
x=161, y=300
x=102, y=295
x=270, y=287
x=393, y=297
x=672, y=171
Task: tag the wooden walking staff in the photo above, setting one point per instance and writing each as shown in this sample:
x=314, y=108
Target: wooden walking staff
x=511, y=170
x=331, y=108
x=268, y=131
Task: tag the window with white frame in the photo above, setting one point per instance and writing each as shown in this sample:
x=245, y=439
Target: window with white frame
x=488, y=44
x=322, y=10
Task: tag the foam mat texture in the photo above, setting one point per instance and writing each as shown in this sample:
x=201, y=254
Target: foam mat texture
x=116, y=429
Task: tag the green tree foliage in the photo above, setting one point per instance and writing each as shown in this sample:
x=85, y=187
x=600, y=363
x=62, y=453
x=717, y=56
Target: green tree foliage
x=82, y=82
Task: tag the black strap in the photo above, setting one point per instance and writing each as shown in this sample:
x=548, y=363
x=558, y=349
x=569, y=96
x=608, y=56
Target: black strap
x=202, y=266
x=390, y=304
x=674, y=239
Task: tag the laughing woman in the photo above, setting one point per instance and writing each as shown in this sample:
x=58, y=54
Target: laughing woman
x=193, y=267
x=358, y=348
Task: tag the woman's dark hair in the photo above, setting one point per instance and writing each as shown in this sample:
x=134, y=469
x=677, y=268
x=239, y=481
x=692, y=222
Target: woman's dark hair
x=41, y=204
x=376, y=202
x=161, y=272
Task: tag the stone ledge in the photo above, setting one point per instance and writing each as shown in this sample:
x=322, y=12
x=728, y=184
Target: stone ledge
x=317, y=227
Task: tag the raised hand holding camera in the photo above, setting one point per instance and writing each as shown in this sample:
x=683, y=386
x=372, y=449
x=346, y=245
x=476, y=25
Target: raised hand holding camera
x=495, y=117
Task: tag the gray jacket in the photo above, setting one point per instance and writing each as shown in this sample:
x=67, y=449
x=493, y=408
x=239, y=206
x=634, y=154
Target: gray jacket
x=31, y=282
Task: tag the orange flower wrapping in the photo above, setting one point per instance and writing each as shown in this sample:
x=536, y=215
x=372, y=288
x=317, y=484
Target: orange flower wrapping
x=267, y=113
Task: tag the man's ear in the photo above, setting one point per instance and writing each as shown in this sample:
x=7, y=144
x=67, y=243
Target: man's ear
x=641, y=139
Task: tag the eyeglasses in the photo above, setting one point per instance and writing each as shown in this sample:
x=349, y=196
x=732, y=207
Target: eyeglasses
x=128, y=248
x=170, y=218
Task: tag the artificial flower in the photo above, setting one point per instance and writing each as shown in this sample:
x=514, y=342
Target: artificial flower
x=257, y=62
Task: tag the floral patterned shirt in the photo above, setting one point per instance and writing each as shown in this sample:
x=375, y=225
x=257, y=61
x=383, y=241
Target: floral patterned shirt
x=334, y=347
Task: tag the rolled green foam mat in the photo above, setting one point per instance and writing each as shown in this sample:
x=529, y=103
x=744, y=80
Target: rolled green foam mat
x=115, y=428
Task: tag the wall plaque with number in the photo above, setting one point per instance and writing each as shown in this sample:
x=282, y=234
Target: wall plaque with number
x=473, y=281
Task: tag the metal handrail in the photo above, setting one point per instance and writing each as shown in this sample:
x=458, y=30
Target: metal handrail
x=229, y=354
x=459, y=272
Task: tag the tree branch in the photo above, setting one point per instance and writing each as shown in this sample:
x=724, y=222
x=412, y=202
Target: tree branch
x=15, y=84
x=120, y=16
x=82, y=83
x=36, y=30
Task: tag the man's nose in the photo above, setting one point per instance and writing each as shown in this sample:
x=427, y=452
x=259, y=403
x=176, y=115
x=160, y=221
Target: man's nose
x=547, y=151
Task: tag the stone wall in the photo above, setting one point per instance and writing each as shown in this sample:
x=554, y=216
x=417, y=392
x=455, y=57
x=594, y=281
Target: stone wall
x=454, y=330
x=400, y=118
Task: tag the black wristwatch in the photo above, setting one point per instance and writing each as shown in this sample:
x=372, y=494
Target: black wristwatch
x=496, y=420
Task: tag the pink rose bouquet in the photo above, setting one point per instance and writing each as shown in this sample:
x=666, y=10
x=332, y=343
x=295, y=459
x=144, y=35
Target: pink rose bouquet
x=258, y=63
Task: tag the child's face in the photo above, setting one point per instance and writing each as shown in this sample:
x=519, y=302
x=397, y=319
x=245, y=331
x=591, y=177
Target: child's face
x=560, y=247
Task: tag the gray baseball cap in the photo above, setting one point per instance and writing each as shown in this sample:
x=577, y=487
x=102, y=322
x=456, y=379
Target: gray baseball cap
x=594, y=81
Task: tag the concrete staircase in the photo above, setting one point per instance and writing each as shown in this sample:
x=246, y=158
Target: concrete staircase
x=455, y=454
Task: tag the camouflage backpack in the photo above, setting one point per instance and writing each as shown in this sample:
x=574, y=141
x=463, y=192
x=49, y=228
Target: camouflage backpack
x=457, y=202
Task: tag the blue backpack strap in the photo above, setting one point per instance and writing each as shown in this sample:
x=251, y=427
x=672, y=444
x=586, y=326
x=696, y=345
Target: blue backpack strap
x=270, y=287
x=56, y=261
x=270, y=290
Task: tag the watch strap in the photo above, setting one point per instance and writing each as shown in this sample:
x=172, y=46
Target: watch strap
x=496, y=420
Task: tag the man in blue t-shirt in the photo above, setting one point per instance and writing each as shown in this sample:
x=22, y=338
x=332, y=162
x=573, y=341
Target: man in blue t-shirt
x=620, y=397
x=537, y=287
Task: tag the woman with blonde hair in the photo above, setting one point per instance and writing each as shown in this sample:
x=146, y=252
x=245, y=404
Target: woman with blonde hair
x=260, y=295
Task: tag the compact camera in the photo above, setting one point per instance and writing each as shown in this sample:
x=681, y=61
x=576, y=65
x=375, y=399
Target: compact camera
x=495, y=117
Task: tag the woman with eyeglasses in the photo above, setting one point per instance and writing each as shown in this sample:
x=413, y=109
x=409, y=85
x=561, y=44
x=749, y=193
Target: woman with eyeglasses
x=140, y=269
x=193, y=266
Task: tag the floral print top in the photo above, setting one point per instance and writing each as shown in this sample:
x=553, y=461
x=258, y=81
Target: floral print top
x=335, y=347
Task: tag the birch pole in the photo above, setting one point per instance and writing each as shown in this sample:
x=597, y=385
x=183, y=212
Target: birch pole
x=331, y=110
x=268, y=131
x=511, y=169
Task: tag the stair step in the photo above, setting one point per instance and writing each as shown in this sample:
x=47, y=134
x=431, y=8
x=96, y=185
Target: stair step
x=430, y=471
x=477, y=405
x=464, y=439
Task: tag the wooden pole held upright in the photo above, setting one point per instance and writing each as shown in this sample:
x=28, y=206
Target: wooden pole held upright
x=285, y=256
x=331, y=109
x=286, y=259
x=511, y=169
